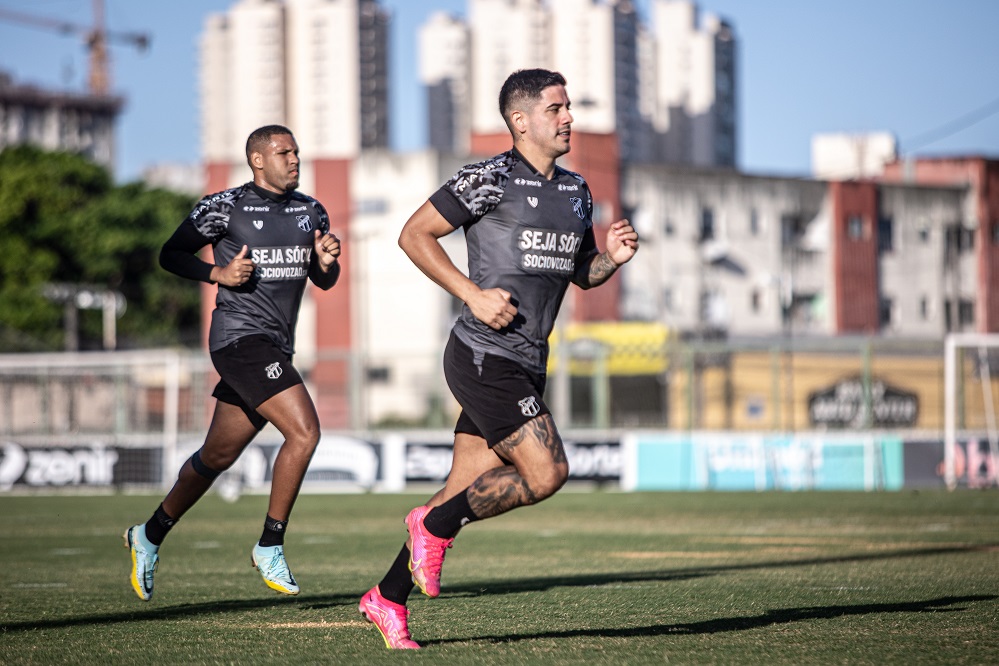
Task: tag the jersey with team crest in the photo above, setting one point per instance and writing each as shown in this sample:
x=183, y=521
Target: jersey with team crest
x=525, y=234
x=279, y=234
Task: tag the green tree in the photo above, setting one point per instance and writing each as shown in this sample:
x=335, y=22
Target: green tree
x=62, y=221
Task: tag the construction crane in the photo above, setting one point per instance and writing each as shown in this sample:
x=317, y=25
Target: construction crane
x=96, y=38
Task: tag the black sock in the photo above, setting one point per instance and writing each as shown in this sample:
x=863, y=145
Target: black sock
x=445, y=520
x=158, y=525
x=398, y=582
x=273, y=532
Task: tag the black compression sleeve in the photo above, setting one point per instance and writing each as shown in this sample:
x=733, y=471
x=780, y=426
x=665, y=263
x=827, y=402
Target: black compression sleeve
x=324, y=281
x=178, y=254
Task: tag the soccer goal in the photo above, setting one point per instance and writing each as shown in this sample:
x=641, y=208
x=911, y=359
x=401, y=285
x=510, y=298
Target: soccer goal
x=971, y=368
x=100, y=419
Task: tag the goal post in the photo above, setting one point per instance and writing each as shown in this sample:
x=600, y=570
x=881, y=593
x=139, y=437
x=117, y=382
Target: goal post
x=971, y=366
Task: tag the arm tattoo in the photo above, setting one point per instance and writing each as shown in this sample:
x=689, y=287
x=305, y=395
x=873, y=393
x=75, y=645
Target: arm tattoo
x=601, y=268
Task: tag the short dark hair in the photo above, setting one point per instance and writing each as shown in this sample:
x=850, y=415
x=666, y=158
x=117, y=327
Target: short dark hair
x=525, y=85
x=261, y=136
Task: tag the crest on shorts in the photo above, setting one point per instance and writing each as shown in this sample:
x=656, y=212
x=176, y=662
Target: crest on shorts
x=304, y=222
x=529, y=406
x=577, y=207
x=273, y=370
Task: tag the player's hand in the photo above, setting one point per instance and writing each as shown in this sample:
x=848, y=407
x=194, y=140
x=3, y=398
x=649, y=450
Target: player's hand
x=327, y=249
x=493, y=308
x=239, y=270
x=622, y=242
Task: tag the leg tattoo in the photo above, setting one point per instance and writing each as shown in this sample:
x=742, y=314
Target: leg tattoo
x=501, y=489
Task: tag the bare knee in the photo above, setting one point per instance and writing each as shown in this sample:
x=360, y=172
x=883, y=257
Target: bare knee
x=218, y=461
x=547, y=481
x=302, y=439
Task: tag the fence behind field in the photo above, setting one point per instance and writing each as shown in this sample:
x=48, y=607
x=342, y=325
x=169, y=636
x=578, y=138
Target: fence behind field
x=88, y=417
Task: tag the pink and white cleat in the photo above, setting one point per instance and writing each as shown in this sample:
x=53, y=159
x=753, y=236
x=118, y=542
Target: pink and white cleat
x=390, y=618
x=426, y=553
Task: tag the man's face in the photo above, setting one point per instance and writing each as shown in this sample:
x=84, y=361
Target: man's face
x=278, y=164
x=549, y=121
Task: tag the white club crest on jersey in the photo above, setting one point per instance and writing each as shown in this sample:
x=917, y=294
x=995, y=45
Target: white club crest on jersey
x=258, y=224
x=533, y=201
x=577, y=207
x=304, y=222
x=274, y=370
x=529, y=406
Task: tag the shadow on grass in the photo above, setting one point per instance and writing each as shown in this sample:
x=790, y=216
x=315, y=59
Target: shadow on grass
x=538, y=584
x=147, y=613
x=727, y=624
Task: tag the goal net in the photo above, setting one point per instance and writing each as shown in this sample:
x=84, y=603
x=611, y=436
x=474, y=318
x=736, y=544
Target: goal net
x=100, y=419
x=971, y=437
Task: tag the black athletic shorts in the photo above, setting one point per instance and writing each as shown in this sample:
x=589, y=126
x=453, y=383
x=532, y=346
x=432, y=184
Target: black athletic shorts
x=253, y=369
x=497, y=395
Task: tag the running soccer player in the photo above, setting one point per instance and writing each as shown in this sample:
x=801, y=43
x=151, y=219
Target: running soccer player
x=268, y=240
x=529, y=232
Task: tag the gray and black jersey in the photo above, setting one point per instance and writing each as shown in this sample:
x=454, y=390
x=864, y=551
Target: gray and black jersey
x=279, y=234
x=525, y=234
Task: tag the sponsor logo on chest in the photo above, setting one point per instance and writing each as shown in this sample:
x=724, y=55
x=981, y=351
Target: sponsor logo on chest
x=548, y=250
x=282, y=263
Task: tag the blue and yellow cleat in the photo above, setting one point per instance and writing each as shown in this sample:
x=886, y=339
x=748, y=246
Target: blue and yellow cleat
x=270, y=562
x=144, y=560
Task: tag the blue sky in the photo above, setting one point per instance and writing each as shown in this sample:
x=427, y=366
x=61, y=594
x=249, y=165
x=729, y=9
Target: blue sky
x=924, y=70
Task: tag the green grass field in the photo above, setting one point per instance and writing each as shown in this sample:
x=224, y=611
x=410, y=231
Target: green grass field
x=600, y=578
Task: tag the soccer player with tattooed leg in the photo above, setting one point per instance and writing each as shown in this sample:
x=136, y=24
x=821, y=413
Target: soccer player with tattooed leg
x=529, y=232
x=268, y=241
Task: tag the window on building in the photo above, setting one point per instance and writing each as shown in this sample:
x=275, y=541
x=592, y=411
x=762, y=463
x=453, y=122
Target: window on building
x=378, y=374
x=966, y=312
x=885, y=306
x=924, y=308
x=754, y=223
x=755, y=300
x=791, y=229
x=668, y=299
x=924, y=235
x=371, y=207
x=668, y=229
x=886, y=235
x=958, y=239
x=707, y=224
x=855, y=227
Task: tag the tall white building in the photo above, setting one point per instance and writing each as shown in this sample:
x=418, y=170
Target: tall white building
x=507, y=35
x=317, y=66
x=667, y=90
x=445, y=62
x=695, y=85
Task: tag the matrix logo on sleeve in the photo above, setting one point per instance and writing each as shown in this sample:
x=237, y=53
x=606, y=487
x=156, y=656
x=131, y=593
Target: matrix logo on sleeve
x=282, y=263
x=548, y=250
